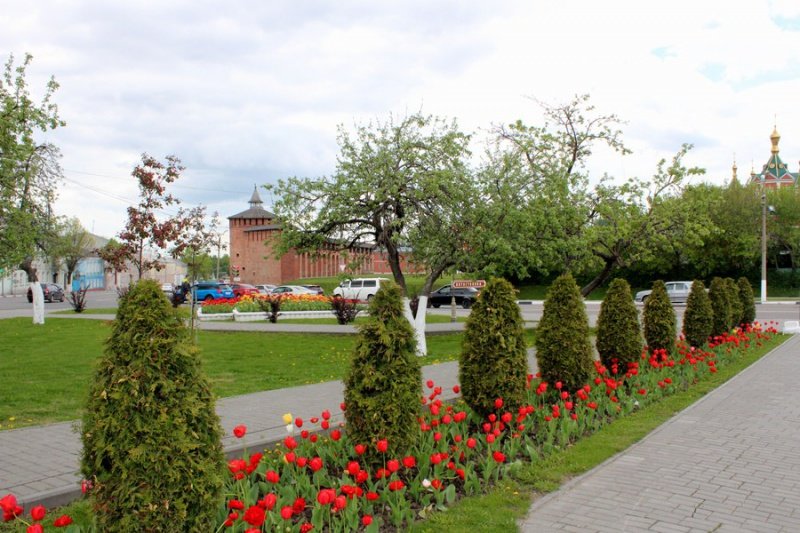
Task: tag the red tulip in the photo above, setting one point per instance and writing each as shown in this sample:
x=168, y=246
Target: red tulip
x=35, y=528
x=254, y=516
x=239, y=431
x=382, y=445
x=38, y=512
x=499, y=457
x=63, y=521
x=366, y=520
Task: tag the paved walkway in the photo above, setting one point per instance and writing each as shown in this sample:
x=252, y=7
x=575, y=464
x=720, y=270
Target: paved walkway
x=730, y=462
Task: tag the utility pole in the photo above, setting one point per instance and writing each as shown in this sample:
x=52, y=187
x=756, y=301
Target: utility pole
x=763, y=246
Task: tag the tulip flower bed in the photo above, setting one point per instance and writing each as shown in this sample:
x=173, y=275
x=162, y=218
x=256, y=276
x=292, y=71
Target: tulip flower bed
x=316, y=479
x=249, y=304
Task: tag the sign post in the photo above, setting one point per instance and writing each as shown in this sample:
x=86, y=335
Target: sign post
x=462, y=284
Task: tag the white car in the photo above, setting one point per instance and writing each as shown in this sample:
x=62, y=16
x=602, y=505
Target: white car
x=266, y=288
x=292, y=289
x=677, y=291
x=359, y=288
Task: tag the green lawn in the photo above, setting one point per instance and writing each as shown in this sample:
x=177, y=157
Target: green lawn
x=45, y=369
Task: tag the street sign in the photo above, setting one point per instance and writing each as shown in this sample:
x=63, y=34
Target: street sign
x=469, y=283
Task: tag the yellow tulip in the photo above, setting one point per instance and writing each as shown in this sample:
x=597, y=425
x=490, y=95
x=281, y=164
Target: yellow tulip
x=288, y=418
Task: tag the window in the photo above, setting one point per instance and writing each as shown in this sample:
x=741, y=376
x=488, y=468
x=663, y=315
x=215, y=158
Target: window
x=370, y=283
x=355, y=284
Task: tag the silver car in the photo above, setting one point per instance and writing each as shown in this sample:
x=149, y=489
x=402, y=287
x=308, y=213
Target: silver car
x=677, y=291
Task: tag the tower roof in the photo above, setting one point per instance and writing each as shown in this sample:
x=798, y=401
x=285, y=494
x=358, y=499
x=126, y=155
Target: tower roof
x=256, y=210
x=774, y=170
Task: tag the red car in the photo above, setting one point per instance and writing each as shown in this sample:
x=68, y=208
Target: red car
x=241, y=289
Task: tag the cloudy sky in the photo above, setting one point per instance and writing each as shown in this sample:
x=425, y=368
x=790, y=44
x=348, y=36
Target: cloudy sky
x=246, y=92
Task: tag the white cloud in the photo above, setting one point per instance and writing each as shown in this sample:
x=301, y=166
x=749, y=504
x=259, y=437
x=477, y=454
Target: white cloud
x=254, y=92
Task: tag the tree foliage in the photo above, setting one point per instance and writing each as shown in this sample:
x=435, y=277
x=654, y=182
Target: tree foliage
x=402, y=185
x=734, y=304
x=659, y=319
x=494, y=359
x=73, y=243
x=619, y=335
x=534, y=182
x=29, y=169
x=151, y=406
x=383, y=383
x=146, y=237
x=563, y=350
x=698, y=318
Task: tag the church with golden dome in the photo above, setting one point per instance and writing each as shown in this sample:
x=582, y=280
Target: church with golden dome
x=775, y=172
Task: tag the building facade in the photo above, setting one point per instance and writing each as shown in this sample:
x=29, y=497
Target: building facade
x=254, y=237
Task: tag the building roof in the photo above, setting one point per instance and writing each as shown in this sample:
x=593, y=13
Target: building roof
x=256, y=210
x=774, y=170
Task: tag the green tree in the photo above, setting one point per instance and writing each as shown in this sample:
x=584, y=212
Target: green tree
x=643, y=222
x=659, y=319
x=619, y=336
x=398, y=184
x=73, y=244
x=698, y=319
x=29, y=169
x=494, y=339
x=146, y=236
x=563, y=350
x=534, y=182
x=718, y=294
x=747, y=299
x=383, y=384
x=150, y=406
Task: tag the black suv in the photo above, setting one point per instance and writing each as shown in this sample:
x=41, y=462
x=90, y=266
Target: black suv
x=464, y=297
x=51, y=291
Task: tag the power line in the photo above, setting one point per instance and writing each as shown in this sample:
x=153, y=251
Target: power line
x=177, y=186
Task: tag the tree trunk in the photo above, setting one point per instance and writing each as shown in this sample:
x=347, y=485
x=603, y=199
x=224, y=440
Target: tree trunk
x=599, y=279
x=418, y=322
x=29, y=269
x=38, y=302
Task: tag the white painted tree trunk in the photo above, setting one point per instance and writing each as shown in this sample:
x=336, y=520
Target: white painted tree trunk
x=418, y=323
x=38, y=303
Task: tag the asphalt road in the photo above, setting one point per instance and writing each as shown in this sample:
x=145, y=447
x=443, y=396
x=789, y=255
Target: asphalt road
x=773, y=311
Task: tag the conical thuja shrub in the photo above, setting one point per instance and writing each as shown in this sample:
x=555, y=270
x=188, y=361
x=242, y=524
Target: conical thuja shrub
x=734, y=304
x=619, y=336
x=151, y=437
x=563, y=350
x=718, y=294
x=748, y=301
x=698, y=319
x=383, y=385
x=659, y=319
x=494, y=362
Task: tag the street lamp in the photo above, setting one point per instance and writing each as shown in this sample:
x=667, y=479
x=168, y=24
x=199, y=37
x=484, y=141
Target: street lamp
x=764, y=208
x=763, y=246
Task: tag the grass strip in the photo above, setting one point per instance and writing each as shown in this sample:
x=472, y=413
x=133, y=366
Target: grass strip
x=501, y=508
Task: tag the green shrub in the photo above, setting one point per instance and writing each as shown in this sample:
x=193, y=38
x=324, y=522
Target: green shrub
x=563, y=350
x=151, y=437
x=659, y=319
x=734, y=304
x=383, y=385
x=748, y=301
x=619, y=335
x=494, y=361
x=698, y=319
x=718, y=294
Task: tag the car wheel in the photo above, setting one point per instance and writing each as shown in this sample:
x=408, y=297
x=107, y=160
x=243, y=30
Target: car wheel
x=369, y=297
x=436, y=306
x=644, y=299
x=208, y=298
x=466, y=304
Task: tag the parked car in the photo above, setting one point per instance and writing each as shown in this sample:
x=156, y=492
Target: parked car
x=265, y=288
x=240, y=289
x=359, y=288
x=51, y=291
x=292, y=289
x=677, y=291
x=168, y=289
x=210, y=290
x=464, y=297
x=316, y=288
